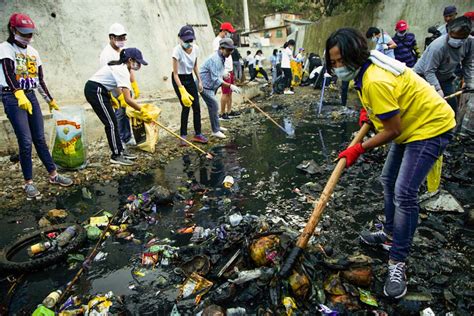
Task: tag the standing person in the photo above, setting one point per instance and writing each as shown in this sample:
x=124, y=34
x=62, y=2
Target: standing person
x=115, y=77
x=449, y=13
x=259, y=58
x=440, y=60
x=226, y=31
x=117, y=42
x=21, y=73
x=286, y=57
x=273, y=62
x=250, y=61
x=237, y=65
x=301, y=58
x=211, y=73
x=184, y=61
x=407, y=50
x=407, y=113
x=383, y=42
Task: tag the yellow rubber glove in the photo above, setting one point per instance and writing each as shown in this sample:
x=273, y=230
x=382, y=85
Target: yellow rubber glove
x=113, y=100
x=23, y=101
x=186, y=98
x=136, y=90
x=257, y=68
x=145, y=115
x=121, y=99
x=53, y=106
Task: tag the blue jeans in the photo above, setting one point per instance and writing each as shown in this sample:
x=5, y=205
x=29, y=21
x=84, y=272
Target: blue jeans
x=123, y=123
x=237, y=70
x=448, y=88
x=209, y=96
x=29, y=129
x=406, y=167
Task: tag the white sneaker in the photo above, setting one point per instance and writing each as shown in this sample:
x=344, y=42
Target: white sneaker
x=288, y=92
x=223, y=129
x=219, y=134
x=131, y=142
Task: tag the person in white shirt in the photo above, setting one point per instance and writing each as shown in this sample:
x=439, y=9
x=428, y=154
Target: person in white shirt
x=226, y=30
x=184, y=61
x=115, y=76
x=259, y=58
x=286, y=57
x=117, y=42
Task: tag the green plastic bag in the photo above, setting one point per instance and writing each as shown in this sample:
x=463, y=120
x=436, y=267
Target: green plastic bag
x=93, y=232
x=43, y=311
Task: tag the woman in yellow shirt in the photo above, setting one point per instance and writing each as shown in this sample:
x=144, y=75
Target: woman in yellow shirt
x=407, y=112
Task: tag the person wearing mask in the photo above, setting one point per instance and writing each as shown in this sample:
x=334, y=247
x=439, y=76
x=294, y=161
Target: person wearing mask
x=286, y=57
x=410, y=115
x=407, y=50
x=301, y=58
x=237, y=66
x=449, y=13
x=115, y=76
x=117, y=41
x=440, y=60
x=259, y=58
x=21, y=73
x=184, y=60
x=226, y=31
x=383, y=42
x=211, y=73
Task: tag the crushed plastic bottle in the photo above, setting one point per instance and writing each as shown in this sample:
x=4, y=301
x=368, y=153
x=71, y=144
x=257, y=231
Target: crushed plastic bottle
x=235, y=219
x=65, y=237
x=39, y=248
x=52, y=299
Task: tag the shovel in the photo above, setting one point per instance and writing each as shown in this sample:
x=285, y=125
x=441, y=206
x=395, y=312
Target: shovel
x=267, y=116
x=319, y=208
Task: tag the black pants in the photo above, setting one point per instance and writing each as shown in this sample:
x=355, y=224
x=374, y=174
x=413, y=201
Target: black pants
x=188, y=82
x=288, y=75
x=256, y=72
x=98, y=97
x=252, y=71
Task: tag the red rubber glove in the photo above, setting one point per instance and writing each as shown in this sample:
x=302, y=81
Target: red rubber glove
x=363, y=118
x=351, y=154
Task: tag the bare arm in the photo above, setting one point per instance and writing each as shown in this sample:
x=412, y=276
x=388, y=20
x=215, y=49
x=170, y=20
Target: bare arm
x=392, y=44
x=391, y=130
x=196, y=72
x=128, y=98
x=175, y=73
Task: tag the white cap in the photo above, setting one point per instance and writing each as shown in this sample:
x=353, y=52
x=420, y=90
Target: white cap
x=117, y=29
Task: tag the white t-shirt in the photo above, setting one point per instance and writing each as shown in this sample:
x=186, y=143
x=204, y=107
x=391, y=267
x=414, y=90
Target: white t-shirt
x=186, y=61
x=228, y=65
x=250, y=60
x=112, y=77
x=259, y=60
x=286, y=56
x=27, y=62
x=108, y=54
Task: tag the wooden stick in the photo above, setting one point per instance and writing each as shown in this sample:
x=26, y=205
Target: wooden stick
x=455, y=94
x=264, y=113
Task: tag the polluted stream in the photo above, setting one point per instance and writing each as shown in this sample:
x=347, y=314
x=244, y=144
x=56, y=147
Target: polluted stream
x=178, y=257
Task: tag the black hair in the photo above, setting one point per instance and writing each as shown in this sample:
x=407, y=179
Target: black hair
x=122, y=60
x=352, y=45
x=275, y=51
x=285, y=45
x=291, y=42
x=11, y=35
x=258, y=51
x=371, y=31
x=249, y=52
x=461, y=24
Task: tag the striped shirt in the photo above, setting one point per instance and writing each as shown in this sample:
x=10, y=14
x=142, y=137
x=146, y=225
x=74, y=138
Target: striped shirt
x=211, y=71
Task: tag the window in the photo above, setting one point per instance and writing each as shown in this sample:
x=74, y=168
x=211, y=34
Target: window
x=279, y=34
x=267, y=35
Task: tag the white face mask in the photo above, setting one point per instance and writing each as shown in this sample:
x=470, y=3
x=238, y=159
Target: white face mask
x=401, y=34
x=186, y=45
x=345, y=73
x=455, y=42
x=120, y=44
x=22, y=40
x=135, y=66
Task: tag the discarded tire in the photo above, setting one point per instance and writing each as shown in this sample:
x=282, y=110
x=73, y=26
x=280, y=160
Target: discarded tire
x=37, y=264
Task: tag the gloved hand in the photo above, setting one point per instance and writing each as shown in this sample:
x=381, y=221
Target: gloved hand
x=257, y=68
x=53, y=106
x=235, y=89
x=441, y=93
x=145, y=115
x=121, y=99
x=23, y=102
x=186, y=98
x=114, y=101
x=136, y=90
x=384, y=46
x=351, y=154
x=226, y=75
x=363, y=117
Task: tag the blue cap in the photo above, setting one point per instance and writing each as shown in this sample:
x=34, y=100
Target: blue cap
x=136, y=54
x=186, y=33
x=450, y=10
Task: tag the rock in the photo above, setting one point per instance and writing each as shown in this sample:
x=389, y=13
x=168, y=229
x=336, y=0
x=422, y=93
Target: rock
x=442, y=202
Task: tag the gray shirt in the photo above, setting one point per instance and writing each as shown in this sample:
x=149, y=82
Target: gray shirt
x=439, y=61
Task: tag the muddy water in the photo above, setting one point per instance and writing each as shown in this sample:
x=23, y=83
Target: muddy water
x=262, y=160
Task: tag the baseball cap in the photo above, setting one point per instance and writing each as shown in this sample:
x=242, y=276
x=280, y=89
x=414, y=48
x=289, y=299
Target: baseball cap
x=226, y=26
x=450, y=10
x=469, y=15
x=22, y=23
x=401, y=25
x=117, y=29
x=186, y=33
x=227, y=43
x=136, y=54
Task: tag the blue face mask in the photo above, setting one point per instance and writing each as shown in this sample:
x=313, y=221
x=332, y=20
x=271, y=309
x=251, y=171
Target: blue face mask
x=374, y=39
x=345, y=73
x=186, y=45
x=455, y=42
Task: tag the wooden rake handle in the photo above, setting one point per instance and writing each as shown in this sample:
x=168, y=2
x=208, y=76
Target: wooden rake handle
x=181, y=138
x=264, y=113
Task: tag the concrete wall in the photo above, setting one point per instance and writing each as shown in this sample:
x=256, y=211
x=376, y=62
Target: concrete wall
x=419, y=14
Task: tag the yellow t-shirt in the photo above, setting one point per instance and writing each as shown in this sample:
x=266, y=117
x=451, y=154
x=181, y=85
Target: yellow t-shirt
x=424, y=113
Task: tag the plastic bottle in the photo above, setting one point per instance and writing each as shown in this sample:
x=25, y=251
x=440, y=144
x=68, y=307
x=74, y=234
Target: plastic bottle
x=235, y=219
x=64, y=238
x=38, y=248
x=236, y=311
x=51, y=300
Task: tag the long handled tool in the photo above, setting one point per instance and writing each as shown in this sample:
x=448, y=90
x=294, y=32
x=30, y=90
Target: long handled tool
x=319, y=208
x=455, y=94
x=207, y=154
x=264, y=113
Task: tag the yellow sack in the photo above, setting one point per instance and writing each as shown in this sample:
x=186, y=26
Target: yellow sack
x=434, y=176
x=297, y=71
x=146, y=134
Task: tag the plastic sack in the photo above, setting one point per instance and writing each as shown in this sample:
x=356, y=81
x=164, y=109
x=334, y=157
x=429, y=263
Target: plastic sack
x=145, y=134
x=297, y=71
x=69, y=148
x=433, y=178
